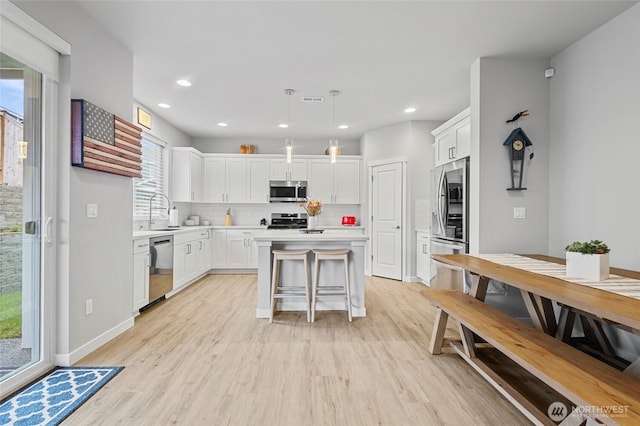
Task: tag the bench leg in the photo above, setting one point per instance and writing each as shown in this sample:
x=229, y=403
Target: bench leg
x=468, y=341
x=437, y=336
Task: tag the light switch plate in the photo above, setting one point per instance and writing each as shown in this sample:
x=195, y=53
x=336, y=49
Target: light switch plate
x=519, y=213
x=92, y=210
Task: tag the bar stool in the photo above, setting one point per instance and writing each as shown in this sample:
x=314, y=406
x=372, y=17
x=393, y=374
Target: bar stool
x=331, y=291
x=289, y=291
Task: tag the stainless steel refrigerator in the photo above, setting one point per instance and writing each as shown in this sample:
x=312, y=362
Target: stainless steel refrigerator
x=449, y=220
x=450, y=235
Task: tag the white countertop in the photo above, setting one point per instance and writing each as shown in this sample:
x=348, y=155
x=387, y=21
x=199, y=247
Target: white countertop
x=295, y=235
x=137, y=235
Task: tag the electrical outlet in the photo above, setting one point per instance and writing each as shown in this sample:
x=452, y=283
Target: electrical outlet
x=92, y=210
x=88, y=306
x=519, y=213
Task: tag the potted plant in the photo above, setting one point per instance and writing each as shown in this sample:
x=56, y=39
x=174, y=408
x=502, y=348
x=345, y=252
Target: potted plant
x=588, y=260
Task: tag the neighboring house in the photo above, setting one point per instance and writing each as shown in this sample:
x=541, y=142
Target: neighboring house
x=10, y=135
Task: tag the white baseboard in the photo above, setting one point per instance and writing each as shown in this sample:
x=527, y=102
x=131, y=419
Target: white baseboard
x=66, y=360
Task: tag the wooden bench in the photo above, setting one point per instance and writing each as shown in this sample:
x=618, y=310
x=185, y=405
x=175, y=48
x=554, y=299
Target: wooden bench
x=582, y=379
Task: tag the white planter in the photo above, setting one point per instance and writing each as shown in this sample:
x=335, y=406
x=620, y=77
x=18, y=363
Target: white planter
x=592, y=267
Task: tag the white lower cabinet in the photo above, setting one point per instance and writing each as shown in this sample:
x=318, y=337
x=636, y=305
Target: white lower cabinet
x=423, y=257
x=234, y=249
x=191, y=256
x=204, y=253
x=218, y=248
x=140, y=274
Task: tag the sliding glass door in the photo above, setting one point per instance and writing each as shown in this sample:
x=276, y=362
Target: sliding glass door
x=21, y=221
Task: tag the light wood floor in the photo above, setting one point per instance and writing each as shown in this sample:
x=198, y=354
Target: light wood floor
x=202, y=358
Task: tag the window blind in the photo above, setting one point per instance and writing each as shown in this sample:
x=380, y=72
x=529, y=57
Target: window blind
x=153, y=181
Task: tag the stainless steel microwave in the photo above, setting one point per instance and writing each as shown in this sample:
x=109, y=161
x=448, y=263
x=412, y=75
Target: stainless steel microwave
x=287, y=191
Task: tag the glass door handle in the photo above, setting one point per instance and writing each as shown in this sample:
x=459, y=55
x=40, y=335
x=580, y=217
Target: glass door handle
x=47, y=230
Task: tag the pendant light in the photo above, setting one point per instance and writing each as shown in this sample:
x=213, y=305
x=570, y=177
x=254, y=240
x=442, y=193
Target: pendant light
x=333, y=142
x=288, y=142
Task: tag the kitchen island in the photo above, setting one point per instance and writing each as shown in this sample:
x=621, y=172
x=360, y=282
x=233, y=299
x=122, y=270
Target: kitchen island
x=293, y=272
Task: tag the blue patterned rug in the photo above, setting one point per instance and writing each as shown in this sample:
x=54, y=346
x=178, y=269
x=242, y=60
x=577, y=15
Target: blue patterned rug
x=55, y=396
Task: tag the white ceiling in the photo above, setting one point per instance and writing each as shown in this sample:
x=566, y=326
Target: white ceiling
x=382, y=56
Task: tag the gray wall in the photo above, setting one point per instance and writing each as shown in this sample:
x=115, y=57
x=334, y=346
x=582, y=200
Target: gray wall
x=595, y=148
x=97, y=252
x=499, y=89
x=595, y=141
x=161, y=129
x=413, y=140
x=273, y=146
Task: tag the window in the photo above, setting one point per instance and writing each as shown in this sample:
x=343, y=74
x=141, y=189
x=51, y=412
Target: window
x=153, y=181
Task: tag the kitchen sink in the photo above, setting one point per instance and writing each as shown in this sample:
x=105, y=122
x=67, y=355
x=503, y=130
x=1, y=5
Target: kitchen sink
x=175, y=228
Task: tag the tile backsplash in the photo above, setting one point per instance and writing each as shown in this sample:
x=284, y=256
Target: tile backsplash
x=251, y=214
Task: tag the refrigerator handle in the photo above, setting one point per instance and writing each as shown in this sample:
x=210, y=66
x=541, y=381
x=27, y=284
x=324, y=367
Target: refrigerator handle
x=441, y=207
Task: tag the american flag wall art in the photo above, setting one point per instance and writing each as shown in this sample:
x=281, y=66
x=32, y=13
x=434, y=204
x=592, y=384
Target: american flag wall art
x=104, y=142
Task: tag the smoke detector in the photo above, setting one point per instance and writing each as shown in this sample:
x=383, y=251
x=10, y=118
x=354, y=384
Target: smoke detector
x=313, y=99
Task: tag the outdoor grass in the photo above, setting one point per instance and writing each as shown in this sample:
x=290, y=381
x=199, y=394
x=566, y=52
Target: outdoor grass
x=11, y=315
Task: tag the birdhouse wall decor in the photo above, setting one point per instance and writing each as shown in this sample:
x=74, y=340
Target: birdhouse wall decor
x=517, y=142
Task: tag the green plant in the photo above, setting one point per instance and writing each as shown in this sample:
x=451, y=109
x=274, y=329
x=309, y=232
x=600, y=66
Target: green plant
x=12, y=229
x=10, y=315
x=591, y=247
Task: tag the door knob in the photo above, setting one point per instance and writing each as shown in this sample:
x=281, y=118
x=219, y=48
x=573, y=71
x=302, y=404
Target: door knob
x=398, y=227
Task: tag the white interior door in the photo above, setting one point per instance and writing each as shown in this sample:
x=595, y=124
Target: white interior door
x=386, y=230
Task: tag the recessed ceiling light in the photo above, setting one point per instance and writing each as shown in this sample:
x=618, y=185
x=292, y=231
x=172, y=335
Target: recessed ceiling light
x=184, y=83
x=410, y=110
x=163, y=105
x=343, y=126
x=222, y=124
x=283, y=125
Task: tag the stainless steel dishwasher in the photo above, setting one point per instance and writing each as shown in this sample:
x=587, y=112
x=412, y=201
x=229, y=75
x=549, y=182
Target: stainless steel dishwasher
x=161, y=268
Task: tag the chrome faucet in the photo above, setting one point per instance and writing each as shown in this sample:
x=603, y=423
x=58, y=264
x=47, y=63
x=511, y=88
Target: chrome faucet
x=157, y=208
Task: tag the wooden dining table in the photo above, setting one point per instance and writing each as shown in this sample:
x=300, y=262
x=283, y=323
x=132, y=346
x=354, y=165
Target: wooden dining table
x=541, y=280
x=514, y=359
x=598, y=300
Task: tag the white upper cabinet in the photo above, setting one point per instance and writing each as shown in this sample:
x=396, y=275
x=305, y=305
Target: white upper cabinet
x=279, y=169
x=258, y=180
x=232, y=178
x=453, y=139
x=236, y=180
x=337, y=183
x=215, y=180
x=186, y=175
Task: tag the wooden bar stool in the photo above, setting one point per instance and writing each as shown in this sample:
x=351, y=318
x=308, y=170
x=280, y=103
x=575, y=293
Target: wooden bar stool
x=289, y=291
x=331, y=290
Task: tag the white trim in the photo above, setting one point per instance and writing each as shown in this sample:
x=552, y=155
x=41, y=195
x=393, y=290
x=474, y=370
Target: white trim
x=154, y=139
x=384, y=162
x=33, y=27
x=69, y=359
x=29, y=374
